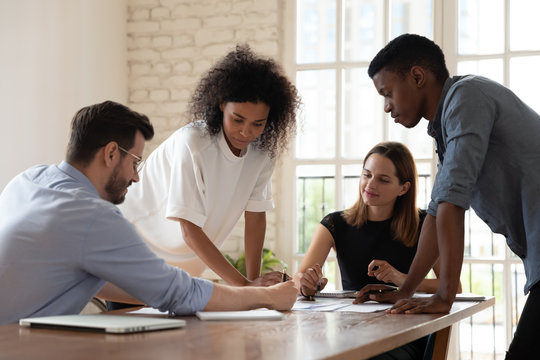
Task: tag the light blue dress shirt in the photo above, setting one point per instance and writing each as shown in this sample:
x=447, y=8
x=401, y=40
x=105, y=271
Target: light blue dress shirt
x=489, y=158
x=60, y=242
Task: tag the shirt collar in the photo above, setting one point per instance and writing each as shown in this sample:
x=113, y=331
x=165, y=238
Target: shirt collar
x=434, y=127
x=226, y=150
x=71, y=171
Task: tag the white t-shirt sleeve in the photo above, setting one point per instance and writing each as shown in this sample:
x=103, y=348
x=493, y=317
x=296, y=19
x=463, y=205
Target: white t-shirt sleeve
x=186, y=191
x=261, y=196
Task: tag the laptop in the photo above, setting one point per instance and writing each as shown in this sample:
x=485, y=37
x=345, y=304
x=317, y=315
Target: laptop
x=115, y=324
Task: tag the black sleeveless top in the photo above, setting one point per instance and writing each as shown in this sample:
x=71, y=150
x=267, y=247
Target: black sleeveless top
x=357, y=247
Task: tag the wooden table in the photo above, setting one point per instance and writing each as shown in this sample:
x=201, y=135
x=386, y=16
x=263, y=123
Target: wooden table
x=301, y=335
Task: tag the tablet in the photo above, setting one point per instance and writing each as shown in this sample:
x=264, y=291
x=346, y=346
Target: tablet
x=115, y=324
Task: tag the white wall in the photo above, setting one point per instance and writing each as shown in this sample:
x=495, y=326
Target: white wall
x=57, y=56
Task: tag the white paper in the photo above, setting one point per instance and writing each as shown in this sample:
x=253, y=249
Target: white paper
x=148, y=311
x=333, y=304
x=260, y=314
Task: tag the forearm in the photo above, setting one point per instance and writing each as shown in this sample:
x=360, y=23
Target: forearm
x=113, y=293
x=254, y=232
x=246, y=298
x=205, y=249
x=428, y=286
x=450, y=232
x=425, y=257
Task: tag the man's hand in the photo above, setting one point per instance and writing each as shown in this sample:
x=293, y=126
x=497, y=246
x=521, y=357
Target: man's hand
x=433, y=304
x=282, y=296
x=381, y=293
x=267, y=279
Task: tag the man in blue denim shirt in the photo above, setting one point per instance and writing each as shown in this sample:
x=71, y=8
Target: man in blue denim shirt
x=489, y=158
x=62, y=239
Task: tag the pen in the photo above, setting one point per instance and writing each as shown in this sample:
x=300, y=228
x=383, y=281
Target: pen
x=284, y=275
x=390, y=289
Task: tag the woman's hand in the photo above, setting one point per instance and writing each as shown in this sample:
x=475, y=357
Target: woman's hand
x=268, y=279
x=311, y=280
x=385, y=272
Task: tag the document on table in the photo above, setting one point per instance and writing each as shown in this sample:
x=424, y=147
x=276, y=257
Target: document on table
x=333, y=304
x=257, y=314
x=148, y=311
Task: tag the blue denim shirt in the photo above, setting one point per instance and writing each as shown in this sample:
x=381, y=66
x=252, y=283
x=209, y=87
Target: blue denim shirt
x=489, y=158
x=60, y=242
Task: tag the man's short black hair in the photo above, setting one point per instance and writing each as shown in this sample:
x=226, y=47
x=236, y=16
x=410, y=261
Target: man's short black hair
x=96, y=125
x=409, y=50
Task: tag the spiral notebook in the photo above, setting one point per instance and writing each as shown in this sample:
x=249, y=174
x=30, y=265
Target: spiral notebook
x=336, y=293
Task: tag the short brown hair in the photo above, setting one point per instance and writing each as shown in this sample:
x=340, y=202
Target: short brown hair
x=96, y=125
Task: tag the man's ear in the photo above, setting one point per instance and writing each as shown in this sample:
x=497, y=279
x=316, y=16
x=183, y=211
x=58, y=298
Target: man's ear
x=419, y=75
x=110, y=153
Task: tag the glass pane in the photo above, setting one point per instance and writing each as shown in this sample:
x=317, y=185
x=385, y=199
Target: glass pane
x=416, y=139
x=363, y=34
x=351, y=184
x=317, y=137
x=518, y=298
x=479, y=240
x=315, y=190
x=315, y=31
x=523, y=24
x=423, y=193
x=411, y=16
x=362, y=126
x=480, y=26
x=483, y=334
x=523, y=79
x=492, y=69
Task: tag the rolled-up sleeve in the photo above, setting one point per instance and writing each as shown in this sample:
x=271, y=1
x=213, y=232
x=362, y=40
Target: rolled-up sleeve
x=114, y=251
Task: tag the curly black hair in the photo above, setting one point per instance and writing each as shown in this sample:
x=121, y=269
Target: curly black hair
x=243, y=76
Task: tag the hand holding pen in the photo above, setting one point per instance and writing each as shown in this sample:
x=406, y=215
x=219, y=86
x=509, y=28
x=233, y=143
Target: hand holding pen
x=311, y=281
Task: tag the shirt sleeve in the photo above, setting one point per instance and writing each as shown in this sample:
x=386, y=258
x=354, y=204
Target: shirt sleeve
x=261, y=196
x=187, y=187
x=113, y=251
x=467, y=122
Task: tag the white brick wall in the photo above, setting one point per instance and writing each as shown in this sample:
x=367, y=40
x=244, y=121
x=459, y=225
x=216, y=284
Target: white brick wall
x=171, y=43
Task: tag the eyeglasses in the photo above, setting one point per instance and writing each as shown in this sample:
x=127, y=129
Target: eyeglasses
x=137, y=165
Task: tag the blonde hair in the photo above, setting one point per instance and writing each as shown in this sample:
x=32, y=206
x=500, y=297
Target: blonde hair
x=405, y=218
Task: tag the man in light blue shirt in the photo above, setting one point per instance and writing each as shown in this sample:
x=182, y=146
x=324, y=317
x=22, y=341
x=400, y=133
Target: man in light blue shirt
x=489, y=158
x=62, y=239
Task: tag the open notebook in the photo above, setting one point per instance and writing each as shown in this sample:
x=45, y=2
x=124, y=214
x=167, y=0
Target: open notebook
x=116, y=324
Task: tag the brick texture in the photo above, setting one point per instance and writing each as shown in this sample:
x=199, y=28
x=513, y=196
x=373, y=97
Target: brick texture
x=171, y=43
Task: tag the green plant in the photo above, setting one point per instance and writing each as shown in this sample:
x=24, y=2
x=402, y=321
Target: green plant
x=268, y=262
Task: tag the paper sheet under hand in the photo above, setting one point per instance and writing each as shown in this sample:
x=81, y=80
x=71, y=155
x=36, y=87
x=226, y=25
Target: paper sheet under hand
x=327, y=304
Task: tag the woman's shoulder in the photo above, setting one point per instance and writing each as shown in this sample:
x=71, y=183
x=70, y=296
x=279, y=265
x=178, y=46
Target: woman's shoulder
x=332, y=219
x=195, y=135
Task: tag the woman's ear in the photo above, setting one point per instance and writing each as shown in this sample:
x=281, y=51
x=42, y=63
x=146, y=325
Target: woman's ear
x=405, y=188
x=221, y=105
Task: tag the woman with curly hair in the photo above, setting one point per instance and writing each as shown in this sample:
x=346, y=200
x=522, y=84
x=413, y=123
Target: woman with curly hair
x=195, y=186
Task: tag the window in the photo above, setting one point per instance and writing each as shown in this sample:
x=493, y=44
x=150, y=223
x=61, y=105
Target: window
x=342, y=119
